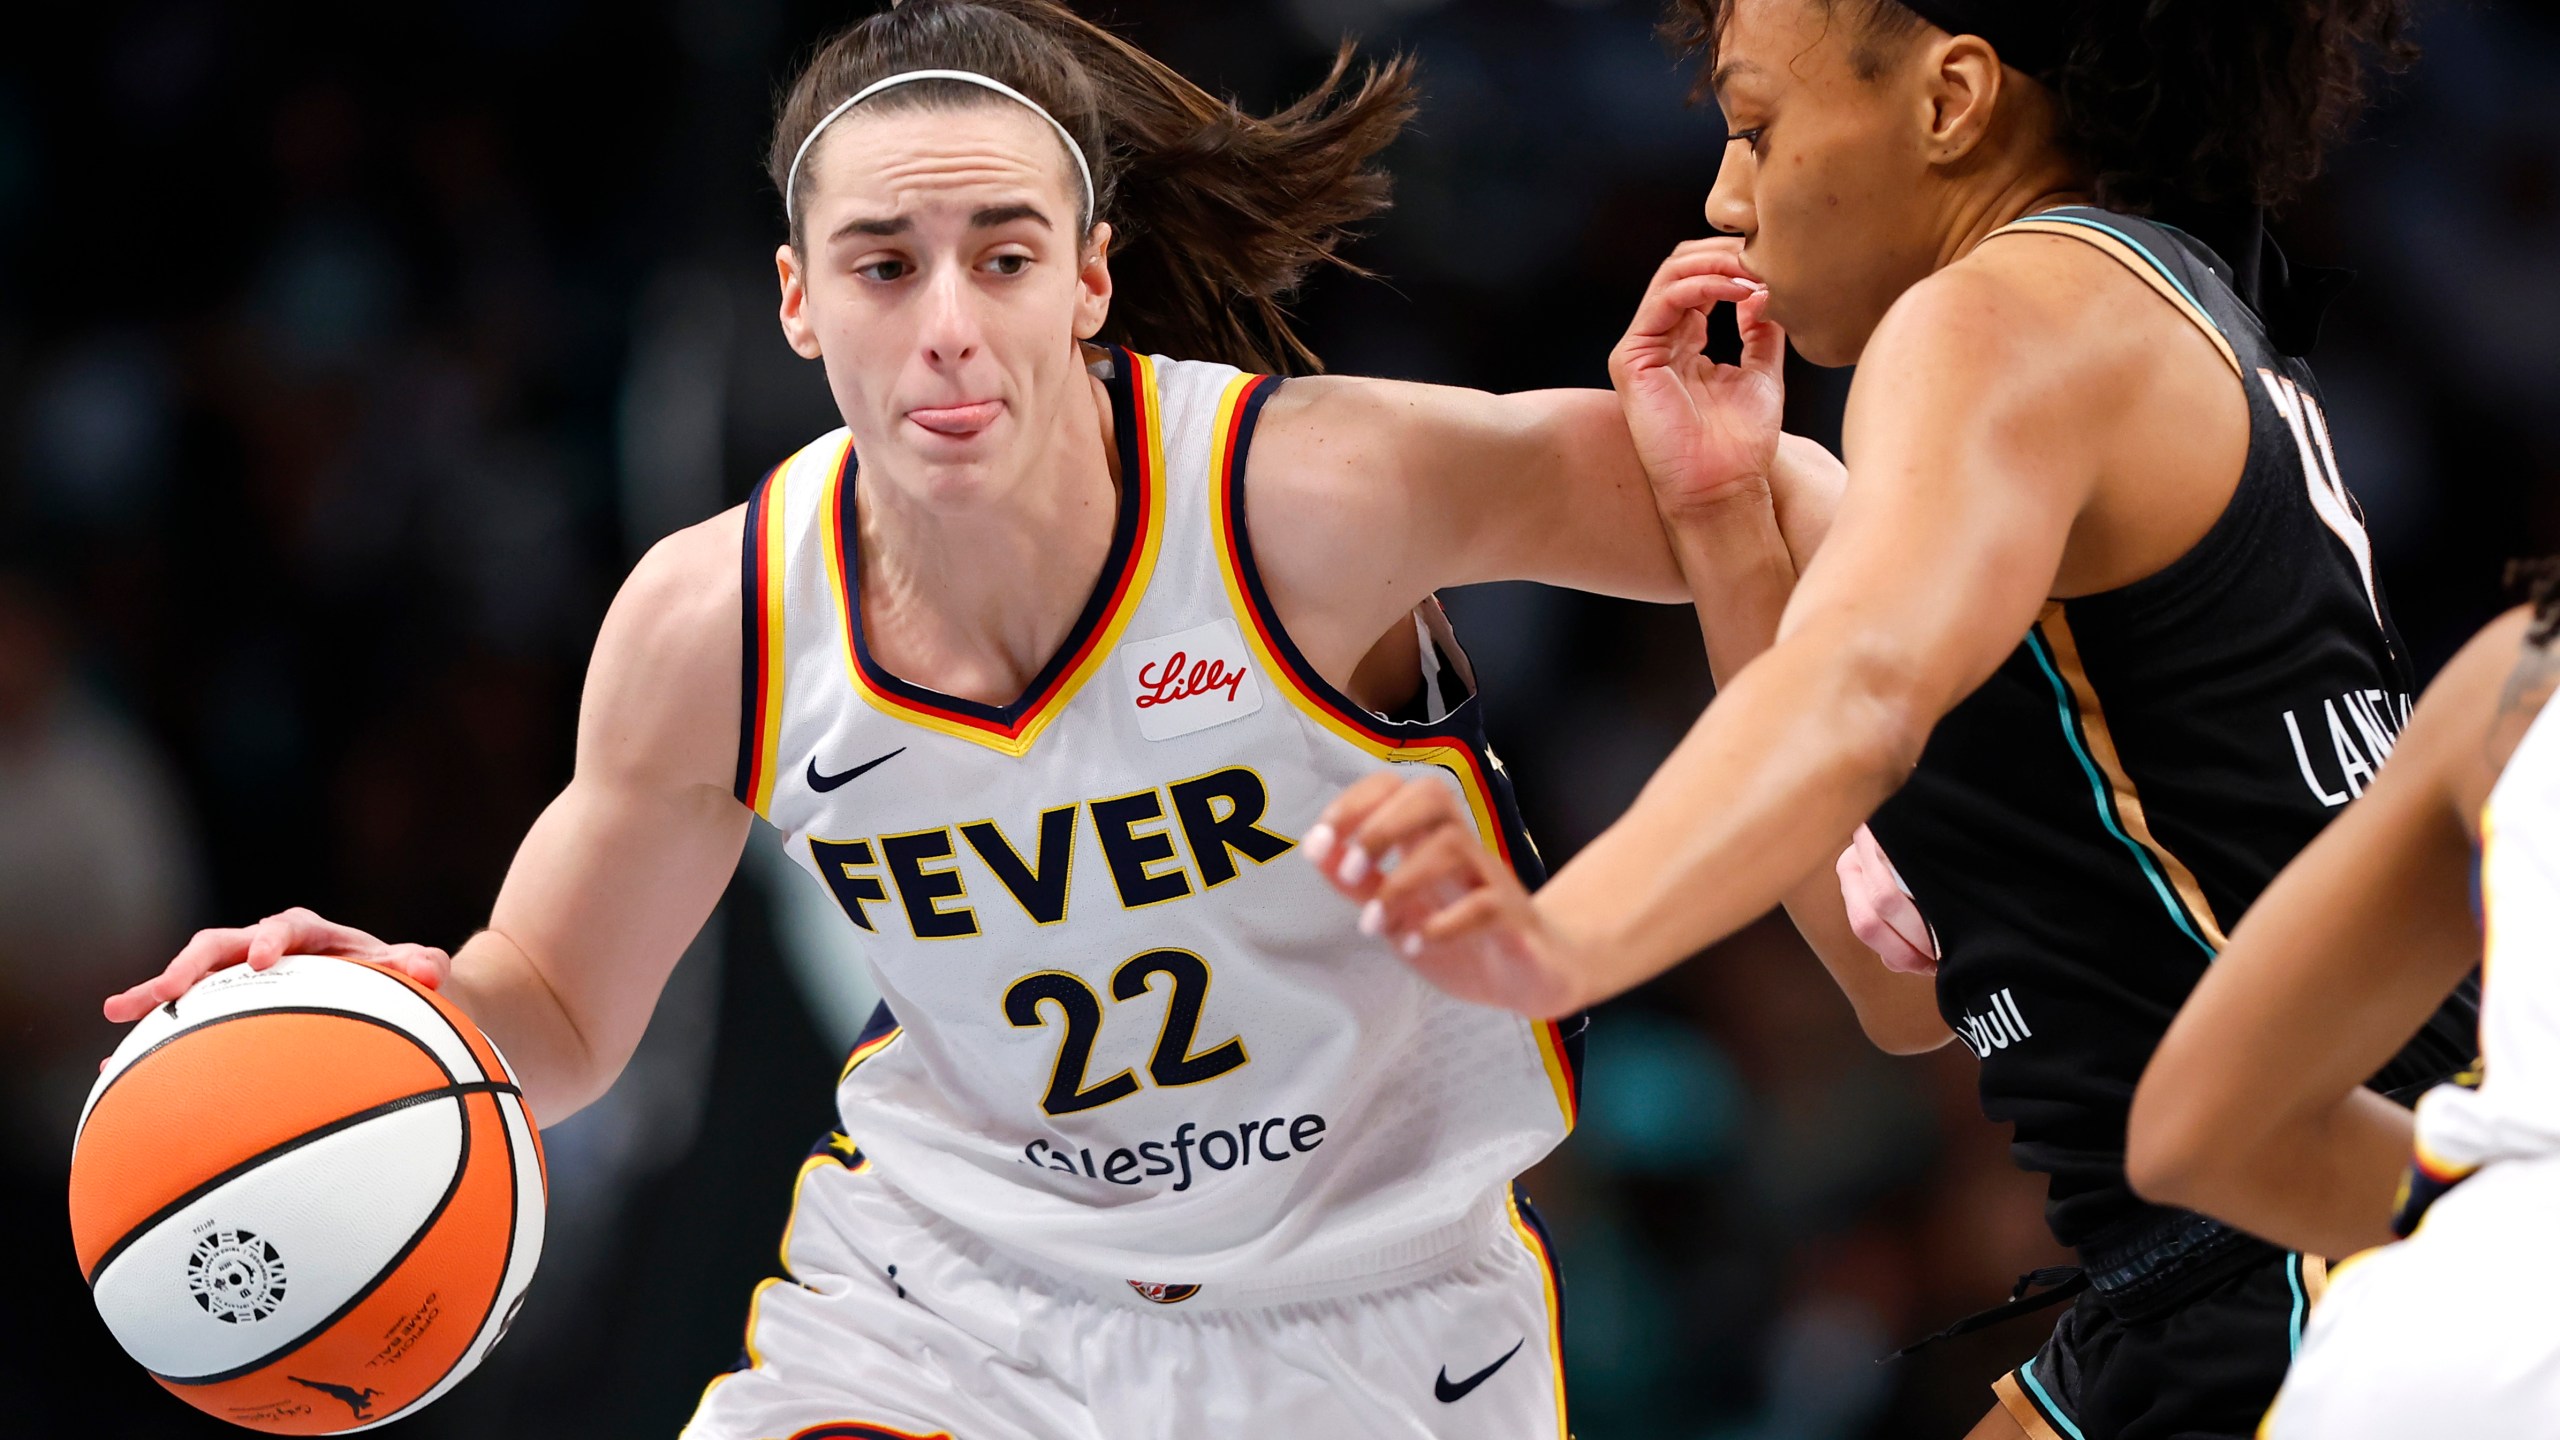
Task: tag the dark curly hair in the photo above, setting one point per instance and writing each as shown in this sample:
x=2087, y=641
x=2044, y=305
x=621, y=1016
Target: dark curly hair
x=2205, y=101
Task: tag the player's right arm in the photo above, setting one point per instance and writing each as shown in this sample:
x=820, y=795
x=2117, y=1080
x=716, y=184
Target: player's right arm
x=1725, y=531
x=2253, y=1109
x=1968, y=479
x=617, y=875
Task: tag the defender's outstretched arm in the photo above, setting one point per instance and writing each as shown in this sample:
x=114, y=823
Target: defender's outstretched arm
x=1967, y=481
x=1730, y=534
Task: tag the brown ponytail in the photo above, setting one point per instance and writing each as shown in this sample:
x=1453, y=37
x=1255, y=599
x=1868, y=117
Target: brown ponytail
x=1217, y=215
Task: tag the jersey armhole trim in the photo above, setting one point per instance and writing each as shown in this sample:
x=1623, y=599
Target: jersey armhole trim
x=760, y=608
x=2131, y=254
x=1442, y=743
x=1239, y=410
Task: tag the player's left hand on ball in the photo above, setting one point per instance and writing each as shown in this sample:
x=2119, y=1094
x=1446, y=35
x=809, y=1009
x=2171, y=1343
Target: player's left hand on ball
x=1408, y=852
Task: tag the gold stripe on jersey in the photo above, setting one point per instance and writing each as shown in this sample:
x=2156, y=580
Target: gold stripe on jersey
x=1097, y=645
x=755, y=1360
x=841, y=1152
x=1458, y=759
x=2133, y=259
x=770, y=548
x=866, y=1050
x=2023, y=1410
x=2056, y=629
x=1537, y=1244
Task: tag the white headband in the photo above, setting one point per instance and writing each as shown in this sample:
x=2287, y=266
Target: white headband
x=790, y=181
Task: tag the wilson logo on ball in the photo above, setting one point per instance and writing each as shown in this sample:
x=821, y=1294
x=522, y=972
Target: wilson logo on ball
x=237, y=1277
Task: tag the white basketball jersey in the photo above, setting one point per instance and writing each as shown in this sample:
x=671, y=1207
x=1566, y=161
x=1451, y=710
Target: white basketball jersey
x=1134, y=1036
x=2516, y=1110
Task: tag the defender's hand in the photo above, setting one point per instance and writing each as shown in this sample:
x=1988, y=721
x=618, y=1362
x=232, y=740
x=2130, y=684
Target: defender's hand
x=1409, y=851
x=1707, y=433
x=295, y=932
x=1881, y=911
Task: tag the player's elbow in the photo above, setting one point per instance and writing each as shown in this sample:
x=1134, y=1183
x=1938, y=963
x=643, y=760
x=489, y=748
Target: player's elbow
x=2174, y=1152
x=1884, y=716
x=1901, y=1034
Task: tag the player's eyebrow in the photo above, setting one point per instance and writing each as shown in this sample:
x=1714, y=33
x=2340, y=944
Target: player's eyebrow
x=995, y=215
x=1726, y=72
x=897, y=225
x=987, y=218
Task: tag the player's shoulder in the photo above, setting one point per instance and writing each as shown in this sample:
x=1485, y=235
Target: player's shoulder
x=1324, y=431
x=2027, y=300
x=663, y=688
x=2466, y=726
x=2034, y=327
x=2495, y=687
x=1317, y=436
x=690, y=578
x=2500, y=659
x=676, y=617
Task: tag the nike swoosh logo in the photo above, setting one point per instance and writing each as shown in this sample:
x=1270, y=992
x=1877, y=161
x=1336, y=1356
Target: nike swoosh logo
x=1451, y=1394
x=824, y=783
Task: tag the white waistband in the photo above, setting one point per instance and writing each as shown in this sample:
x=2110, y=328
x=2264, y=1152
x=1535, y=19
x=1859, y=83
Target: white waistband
x=1486, y=1224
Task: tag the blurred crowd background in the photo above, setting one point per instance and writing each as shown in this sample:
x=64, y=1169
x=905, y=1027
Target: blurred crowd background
x=350, y=354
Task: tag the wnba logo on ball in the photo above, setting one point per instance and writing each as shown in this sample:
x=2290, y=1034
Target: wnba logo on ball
x=237, y=1277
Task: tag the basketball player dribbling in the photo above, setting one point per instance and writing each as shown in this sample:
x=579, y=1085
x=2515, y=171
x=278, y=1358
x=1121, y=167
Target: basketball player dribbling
x=1038, y=665
x=2254, y=1108
x=2093, y=635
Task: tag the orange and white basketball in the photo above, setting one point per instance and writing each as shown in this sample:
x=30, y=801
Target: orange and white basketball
x=307, y=1199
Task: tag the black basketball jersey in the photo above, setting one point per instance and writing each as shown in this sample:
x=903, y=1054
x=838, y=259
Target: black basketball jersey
x=2084, y=829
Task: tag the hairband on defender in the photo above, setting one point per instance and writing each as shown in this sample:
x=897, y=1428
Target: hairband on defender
x=791, y=180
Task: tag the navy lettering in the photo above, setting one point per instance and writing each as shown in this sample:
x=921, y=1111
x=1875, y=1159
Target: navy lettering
x=921, y=891
x=1209, y=1158
x=1041, y=891
x=1130, y=854
x=837, y=862
x=1212, y=835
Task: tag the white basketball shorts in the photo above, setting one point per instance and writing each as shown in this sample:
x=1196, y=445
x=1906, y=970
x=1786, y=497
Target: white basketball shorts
x=896, y=1324
x=2448, y=1332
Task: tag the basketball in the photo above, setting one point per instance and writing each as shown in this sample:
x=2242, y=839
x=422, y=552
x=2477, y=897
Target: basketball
x=307, y=1199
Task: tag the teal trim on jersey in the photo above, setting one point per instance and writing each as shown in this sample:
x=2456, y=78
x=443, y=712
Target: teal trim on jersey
x=2044, y=1402
x=2138, y=248
x=2301, y=1298
x=2106, y=802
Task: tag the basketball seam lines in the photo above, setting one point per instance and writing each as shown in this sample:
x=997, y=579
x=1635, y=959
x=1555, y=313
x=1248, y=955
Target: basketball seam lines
x=437, y=1010
x=174, y=1036
x=161, y=1216
x=506, y=1267
x=364, y=1292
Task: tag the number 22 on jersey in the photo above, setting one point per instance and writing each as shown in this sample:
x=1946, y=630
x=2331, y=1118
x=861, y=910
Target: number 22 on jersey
x=1173, y=1063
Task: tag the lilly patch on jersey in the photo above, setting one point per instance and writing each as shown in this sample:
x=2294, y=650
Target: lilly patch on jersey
x=1162, y=1293
x=1190, y=681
